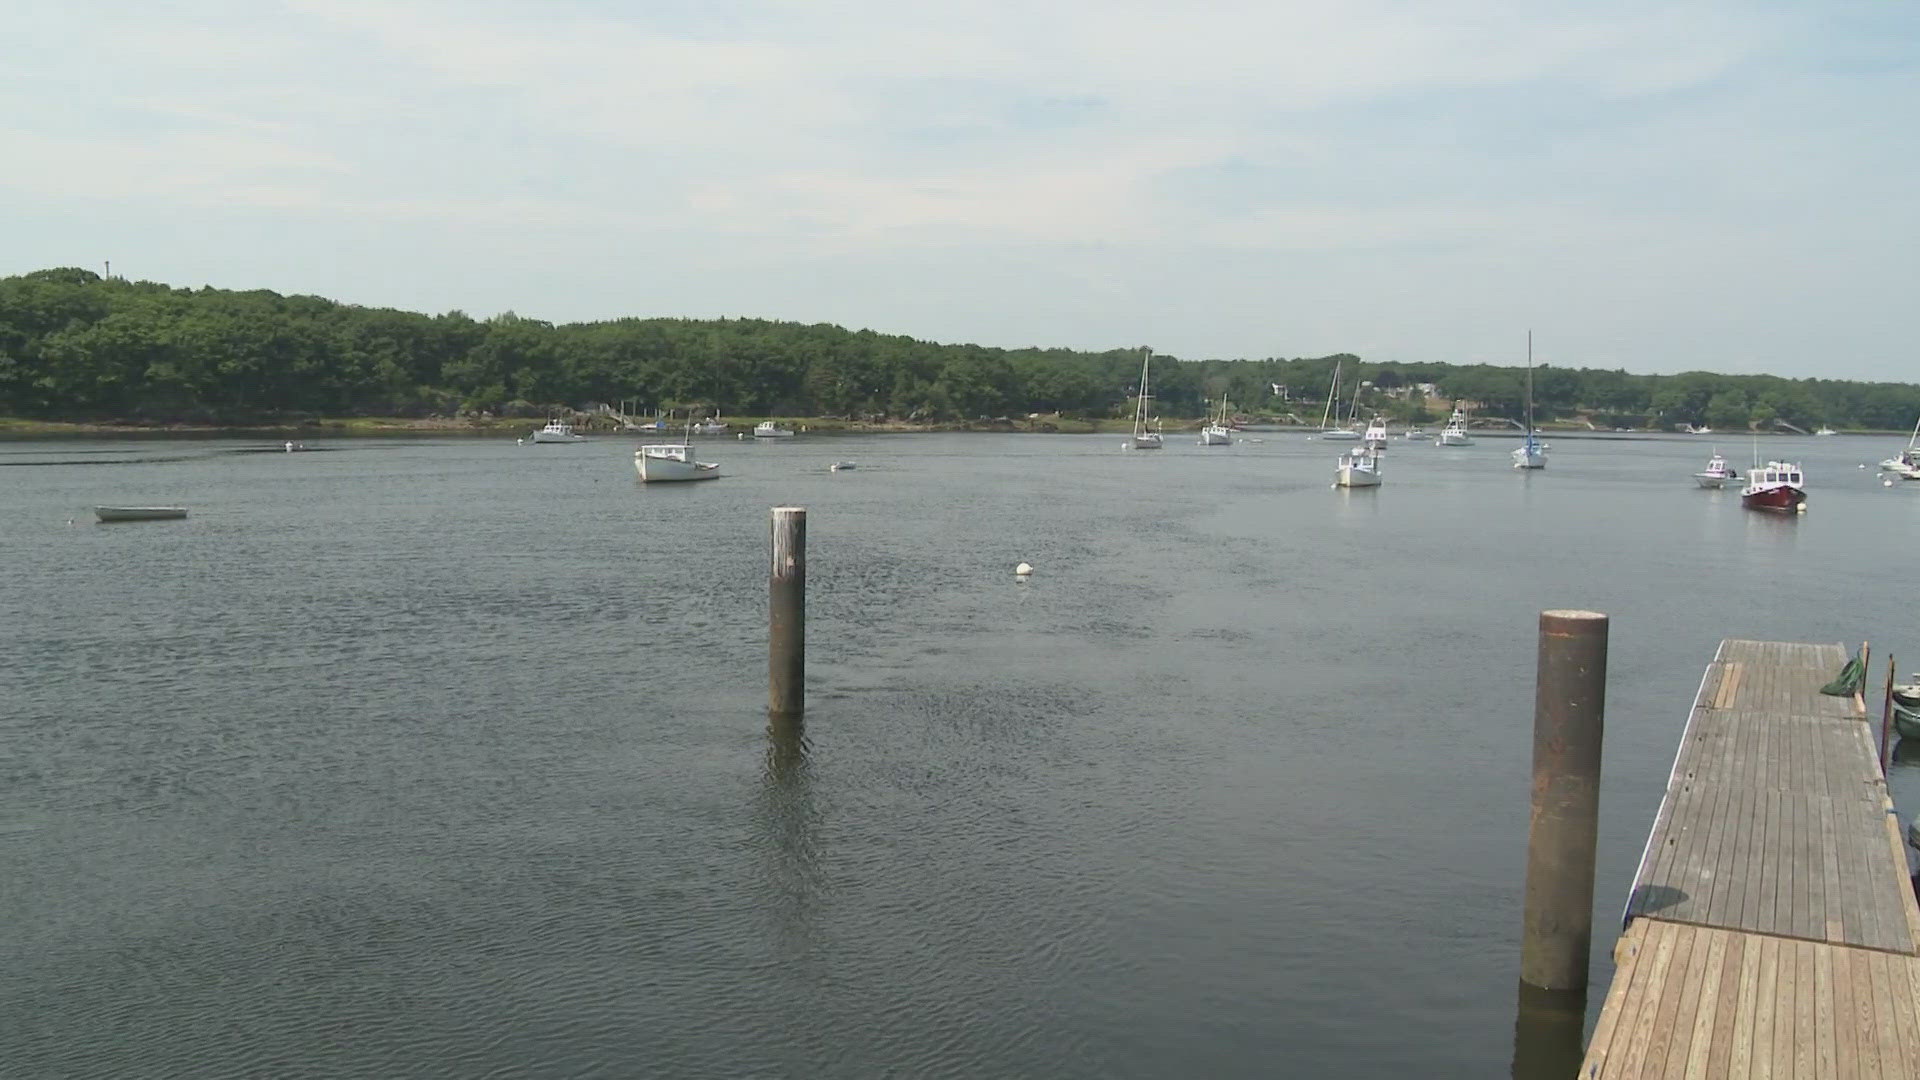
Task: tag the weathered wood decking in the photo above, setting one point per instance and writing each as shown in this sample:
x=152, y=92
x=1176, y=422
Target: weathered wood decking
x=1772, y=929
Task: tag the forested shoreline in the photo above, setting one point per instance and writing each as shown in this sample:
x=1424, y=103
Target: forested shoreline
x=78, y=347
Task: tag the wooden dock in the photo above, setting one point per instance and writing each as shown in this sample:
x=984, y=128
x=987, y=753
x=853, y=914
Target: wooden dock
x=1772, y=929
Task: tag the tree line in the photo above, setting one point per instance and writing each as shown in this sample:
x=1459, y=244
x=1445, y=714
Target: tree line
x=77, y=346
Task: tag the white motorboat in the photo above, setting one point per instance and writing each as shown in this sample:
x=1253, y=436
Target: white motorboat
x=1825, y=430
x=1414, y=434
x=1218, y=431
x=671, y=461
x=1717, y=474
x=1359, y=467
x=1327, y=429
x=1455, y=433
x=1531, y=453
x=1376, y=435
x=767, y=429
x=714, y=426
x=841, y=466
x=139, y=513
x=1143, y=437
x=1907, y=464
x=557, y=431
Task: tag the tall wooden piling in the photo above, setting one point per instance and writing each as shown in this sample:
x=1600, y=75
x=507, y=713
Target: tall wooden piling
x=1568, y=711
x=787, y=614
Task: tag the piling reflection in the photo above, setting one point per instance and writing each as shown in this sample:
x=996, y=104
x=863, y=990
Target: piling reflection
x=1548, y=1027
x=790, y=836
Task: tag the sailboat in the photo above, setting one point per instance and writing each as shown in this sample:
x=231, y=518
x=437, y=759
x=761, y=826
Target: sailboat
x=1908, y=463
x=1530, y=454
x=1455, y=433
x=1218, y=431
x=1143, y=439
x=1327, y=416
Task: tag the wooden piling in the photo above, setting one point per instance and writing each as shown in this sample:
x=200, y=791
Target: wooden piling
x=1568, y=713
x=1886, y=721
x=787, y=614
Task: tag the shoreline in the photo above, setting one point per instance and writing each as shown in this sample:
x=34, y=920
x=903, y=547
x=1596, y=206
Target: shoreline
x=387, y=427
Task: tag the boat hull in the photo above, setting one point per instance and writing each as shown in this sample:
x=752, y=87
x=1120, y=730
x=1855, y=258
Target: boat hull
x=1212, y=436
x=139, y=513
x=1784, y=499
x=764, y=432
x=1349, y=477
x=1148, y=441
x=1337, y=435
x=549, y=437
x=1448, y=438
x=1710, y=480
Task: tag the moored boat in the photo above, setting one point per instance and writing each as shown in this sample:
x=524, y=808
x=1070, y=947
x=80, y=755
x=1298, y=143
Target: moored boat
x=139, y=513
x=1717, y=473
x=1359, y=467
x=1531, y=453
x=557, y=431
x=711, y=426
x=1143, y=437
x=1455, y=433
x=767, y=429
x=1778, y=486
x=1219, y=430
x=1376, y=435
x=671, y=461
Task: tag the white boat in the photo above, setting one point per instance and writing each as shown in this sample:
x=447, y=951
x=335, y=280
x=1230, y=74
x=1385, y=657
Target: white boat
x=1825, y=430
x=138, y=513
x=715, y=426
x=767, y=429
x=1327, y=430
x=1907, y=464
x=557, y=431
x=1717, y=474
x=671, y=461
x=1376, y=433
x=1359, y=467
x=1531, y=453
x=1415, y=434
x=1218, y=431
x=1455, y=433
x=1143, y=438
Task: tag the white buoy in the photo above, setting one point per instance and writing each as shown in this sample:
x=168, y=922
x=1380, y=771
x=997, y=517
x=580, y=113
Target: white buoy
x=1023, y=570
x=519, y=442
x=1886, y=481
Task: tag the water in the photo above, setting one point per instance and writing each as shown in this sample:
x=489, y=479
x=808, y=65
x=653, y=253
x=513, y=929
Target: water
x=447, y=757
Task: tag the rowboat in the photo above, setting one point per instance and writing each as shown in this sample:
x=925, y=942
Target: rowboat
x=139, y=513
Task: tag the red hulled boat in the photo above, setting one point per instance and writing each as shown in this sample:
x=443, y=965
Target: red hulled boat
x=1775, y=486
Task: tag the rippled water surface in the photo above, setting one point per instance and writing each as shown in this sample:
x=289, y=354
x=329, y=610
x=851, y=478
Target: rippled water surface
x=447, y=758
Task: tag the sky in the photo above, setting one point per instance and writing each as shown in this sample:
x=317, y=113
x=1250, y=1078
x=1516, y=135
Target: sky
x=1655, y=186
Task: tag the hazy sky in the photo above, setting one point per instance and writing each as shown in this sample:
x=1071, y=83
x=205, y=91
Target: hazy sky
x=1658, y=186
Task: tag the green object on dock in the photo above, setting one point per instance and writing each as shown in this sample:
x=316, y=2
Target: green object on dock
x=1848, y=682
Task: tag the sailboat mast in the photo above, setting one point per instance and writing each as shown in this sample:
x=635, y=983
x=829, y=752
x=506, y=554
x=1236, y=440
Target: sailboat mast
x=1333, y=388
x=1140, y=403
x=1529, y=384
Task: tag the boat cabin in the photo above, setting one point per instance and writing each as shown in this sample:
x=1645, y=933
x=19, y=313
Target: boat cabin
x=1777, y=472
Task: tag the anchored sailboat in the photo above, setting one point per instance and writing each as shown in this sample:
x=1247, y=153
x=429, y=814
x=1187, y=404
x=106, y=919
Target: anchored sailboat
x=1530, y=454
x=1142, y=438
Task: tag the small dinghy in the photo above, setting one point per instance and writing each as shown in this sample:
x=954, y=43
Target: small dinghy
x=840, y=466
x=139, y=513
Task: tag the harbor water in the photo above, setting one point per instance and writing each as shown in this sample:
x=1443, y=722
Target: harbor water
x=449, y=758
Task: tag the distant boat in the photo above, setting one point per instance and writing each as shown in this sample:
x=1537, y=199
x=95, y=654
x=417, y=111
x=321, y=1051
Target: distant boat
x=1777, y=485
x=1530, y=454
x=139, y=513
x=1219, y=430
x=1359, y=467
x=840, y=466
x=1717, y=474
x=1455, y=433
x=1376, y=435
x=1825, y=430
x=1143, y=438
x=714, y=426
x=767, y=429
x=1414, y=433
x=557, y=431
x=1327, y=417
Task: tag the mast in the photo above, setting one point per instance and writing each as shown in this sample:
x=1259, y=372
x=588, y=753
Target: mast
x=1529, y=387
x=1327, y=413
x=1140, y=403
